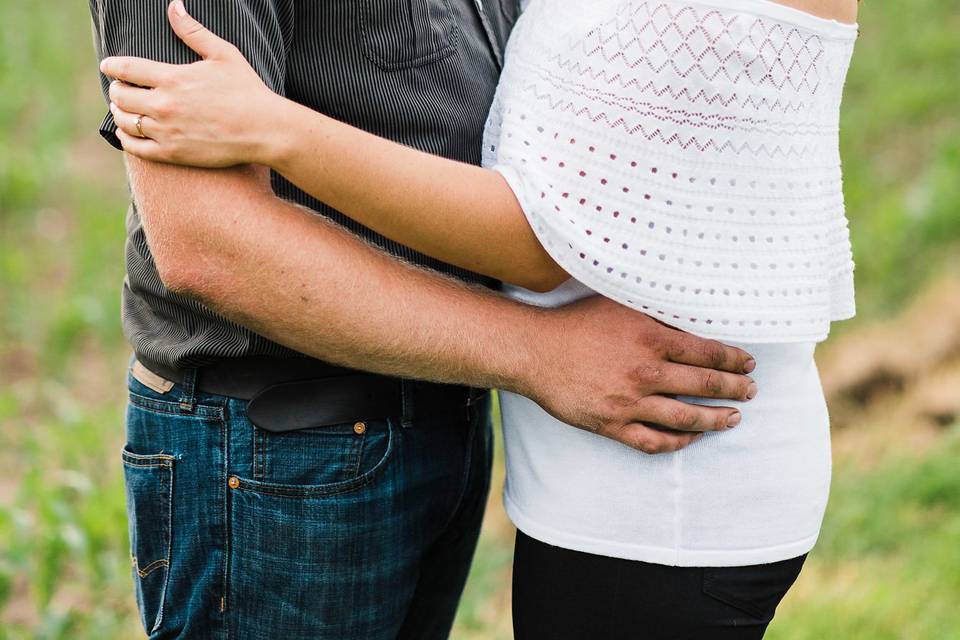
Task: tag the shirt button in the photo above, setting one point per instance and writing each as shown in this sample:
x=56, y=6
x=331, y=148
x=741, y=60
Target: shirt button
x=360, y=428
x=233, y=482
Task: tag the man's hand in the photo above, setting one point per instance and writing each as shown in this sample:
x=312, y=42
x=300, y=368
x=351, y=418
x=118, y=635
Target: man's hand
x=611, y=370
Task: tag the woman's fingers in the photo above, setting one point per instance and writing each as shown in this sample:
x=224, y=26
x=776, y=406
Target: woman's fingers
x=128, y=122
x=136, y=71
x=133, y=99
x=194, y=34
x=141, y=147
x=685, y=416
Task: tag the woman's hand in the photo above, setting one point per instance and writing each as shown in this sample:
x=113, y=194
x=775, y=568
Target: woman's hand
x=212, y=113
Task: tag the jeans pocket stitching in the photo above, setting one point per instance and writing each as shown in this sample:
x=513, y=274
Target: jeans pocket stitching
x=165, y=462
x=150, y=568
x=140, y=460
x=322, y=490
x=359, y=455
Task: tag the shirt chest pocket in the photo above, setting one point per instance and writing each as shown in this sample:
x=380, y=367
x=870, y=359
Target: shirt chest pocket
x=400, y=34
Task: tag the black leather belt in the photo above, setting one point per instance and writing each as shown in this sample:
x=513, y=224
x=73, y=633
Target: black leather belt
x=286, y=394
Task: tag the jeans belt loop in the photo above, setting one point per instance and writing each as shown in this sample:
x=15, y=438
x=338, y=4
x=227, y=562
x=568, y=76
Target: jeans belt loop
x=406, y=398
x=188, y=400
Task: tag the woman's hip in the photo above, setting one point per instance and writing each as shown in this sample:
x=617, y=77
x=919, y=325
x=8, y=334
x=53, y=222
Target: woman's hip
x=570, y=595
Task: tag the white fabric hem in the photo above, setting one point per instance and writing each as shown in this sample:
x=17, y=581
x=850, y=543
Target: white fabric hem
x=789, y=330
x=657, y=555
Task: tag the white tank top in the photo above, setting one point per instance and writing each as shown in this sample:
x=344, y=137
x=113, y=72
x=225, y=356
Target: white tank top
x=750, y=495
x=682, y=158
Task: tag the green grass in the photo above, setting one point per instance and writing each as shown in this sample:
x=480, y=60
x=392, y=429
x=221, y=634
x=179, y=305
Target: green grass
x=901, y=147
x=888, y=565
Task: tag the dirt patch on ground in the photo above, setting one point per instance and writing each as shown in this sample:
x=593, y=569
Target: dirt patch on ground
x=900, y=378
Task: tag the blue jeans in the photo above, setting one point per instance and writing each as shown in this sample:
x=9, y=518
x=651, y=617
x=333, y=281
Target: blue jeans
x=332, y=532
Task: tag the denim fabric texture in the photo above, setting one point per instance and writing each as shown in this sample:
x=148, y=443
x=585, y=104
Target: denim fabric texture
x=329, y=532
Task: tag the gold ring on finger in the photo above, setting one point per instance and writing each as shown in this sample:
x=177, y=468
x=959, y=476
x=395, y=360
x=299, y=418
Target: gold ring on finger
x=140, y=126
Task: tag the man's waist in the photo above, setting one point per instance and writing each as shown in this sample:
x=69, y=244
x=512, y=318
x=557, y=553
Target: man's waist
x=288, y=393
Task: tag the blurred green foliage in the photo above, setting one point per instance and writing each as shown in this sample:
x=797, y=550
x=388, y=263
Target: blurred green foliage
x=888, y=560
x=901, y=147
x=888, y=565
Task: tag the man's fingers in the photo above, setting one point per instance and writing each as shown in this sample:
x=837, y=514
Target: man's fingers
x=137, y=71
x=700, y=382
x=686, y=348
x=133, y=99
x=650, y=440
x=195, y=35
x=685, y=416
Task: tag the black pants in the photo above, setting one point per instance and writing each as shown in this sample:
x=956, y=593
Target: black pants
x=560, y=594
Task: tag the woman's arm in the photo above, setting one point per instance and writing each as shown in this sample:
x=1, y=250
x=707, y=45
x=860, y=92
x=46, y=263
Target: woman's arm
x=456, y=212
x=217, y=112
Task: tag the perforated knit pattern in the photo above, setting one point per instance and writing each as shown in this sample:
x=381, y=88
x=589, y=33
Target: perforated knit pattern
x=682, y=158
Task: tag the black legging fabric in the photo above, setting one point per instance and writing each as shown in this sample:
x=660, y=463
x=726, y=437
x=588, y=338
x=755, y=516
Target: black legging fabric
x=559, y=594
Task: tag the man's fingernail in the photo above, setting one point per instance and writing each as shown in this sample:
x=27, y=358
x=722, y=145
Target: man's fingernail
x=178, y=8
x=734, y=419
x=749, y=365
x=751, y=391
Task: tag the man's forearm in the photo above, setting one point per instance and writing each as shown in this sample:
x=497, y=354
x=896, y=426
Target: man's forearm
x=303, y=282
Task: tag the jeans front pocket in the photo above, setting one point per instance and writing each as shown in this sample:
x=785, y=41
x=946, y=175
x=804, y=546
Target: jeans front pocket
x=149, y=495
x=400, y=34
x=319, y=460
x=319, y=534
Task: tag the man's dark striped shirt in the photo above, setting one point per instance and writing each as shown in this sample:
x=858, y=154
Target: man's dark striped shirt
x=420, y=72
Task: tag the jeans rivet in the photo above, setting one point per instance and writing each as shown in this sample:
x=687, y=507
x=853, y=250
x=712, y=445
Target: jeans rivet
x=233, y=482
x=359, y=428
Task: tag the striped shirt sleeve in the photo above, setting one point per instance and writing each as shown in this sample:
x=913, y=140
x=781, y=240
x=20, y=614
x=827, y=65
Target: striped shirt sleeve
x=261, y=29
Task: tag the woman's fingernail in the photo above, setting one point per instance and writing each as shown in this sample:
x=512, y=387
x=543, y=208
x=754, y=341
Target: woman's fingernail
x=734, y=419
x=749, y=365
x=751, y=391
x=178, y=8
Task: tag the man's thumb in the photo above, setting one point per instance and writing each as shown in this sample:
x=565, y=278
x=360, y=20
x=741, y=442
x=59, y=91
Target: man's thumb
x=194, y=34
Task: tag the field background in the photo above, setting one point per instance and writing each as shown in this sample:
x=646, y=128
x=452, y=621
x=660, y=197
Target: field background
x=888, y=564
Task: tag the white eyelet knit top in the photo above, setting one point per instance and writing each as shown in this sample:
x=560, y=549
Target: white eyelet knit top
x=682, y=158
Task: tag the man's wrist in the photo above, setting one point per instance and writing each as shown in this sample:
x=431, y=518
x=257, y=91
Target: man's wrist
x=517, y=366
